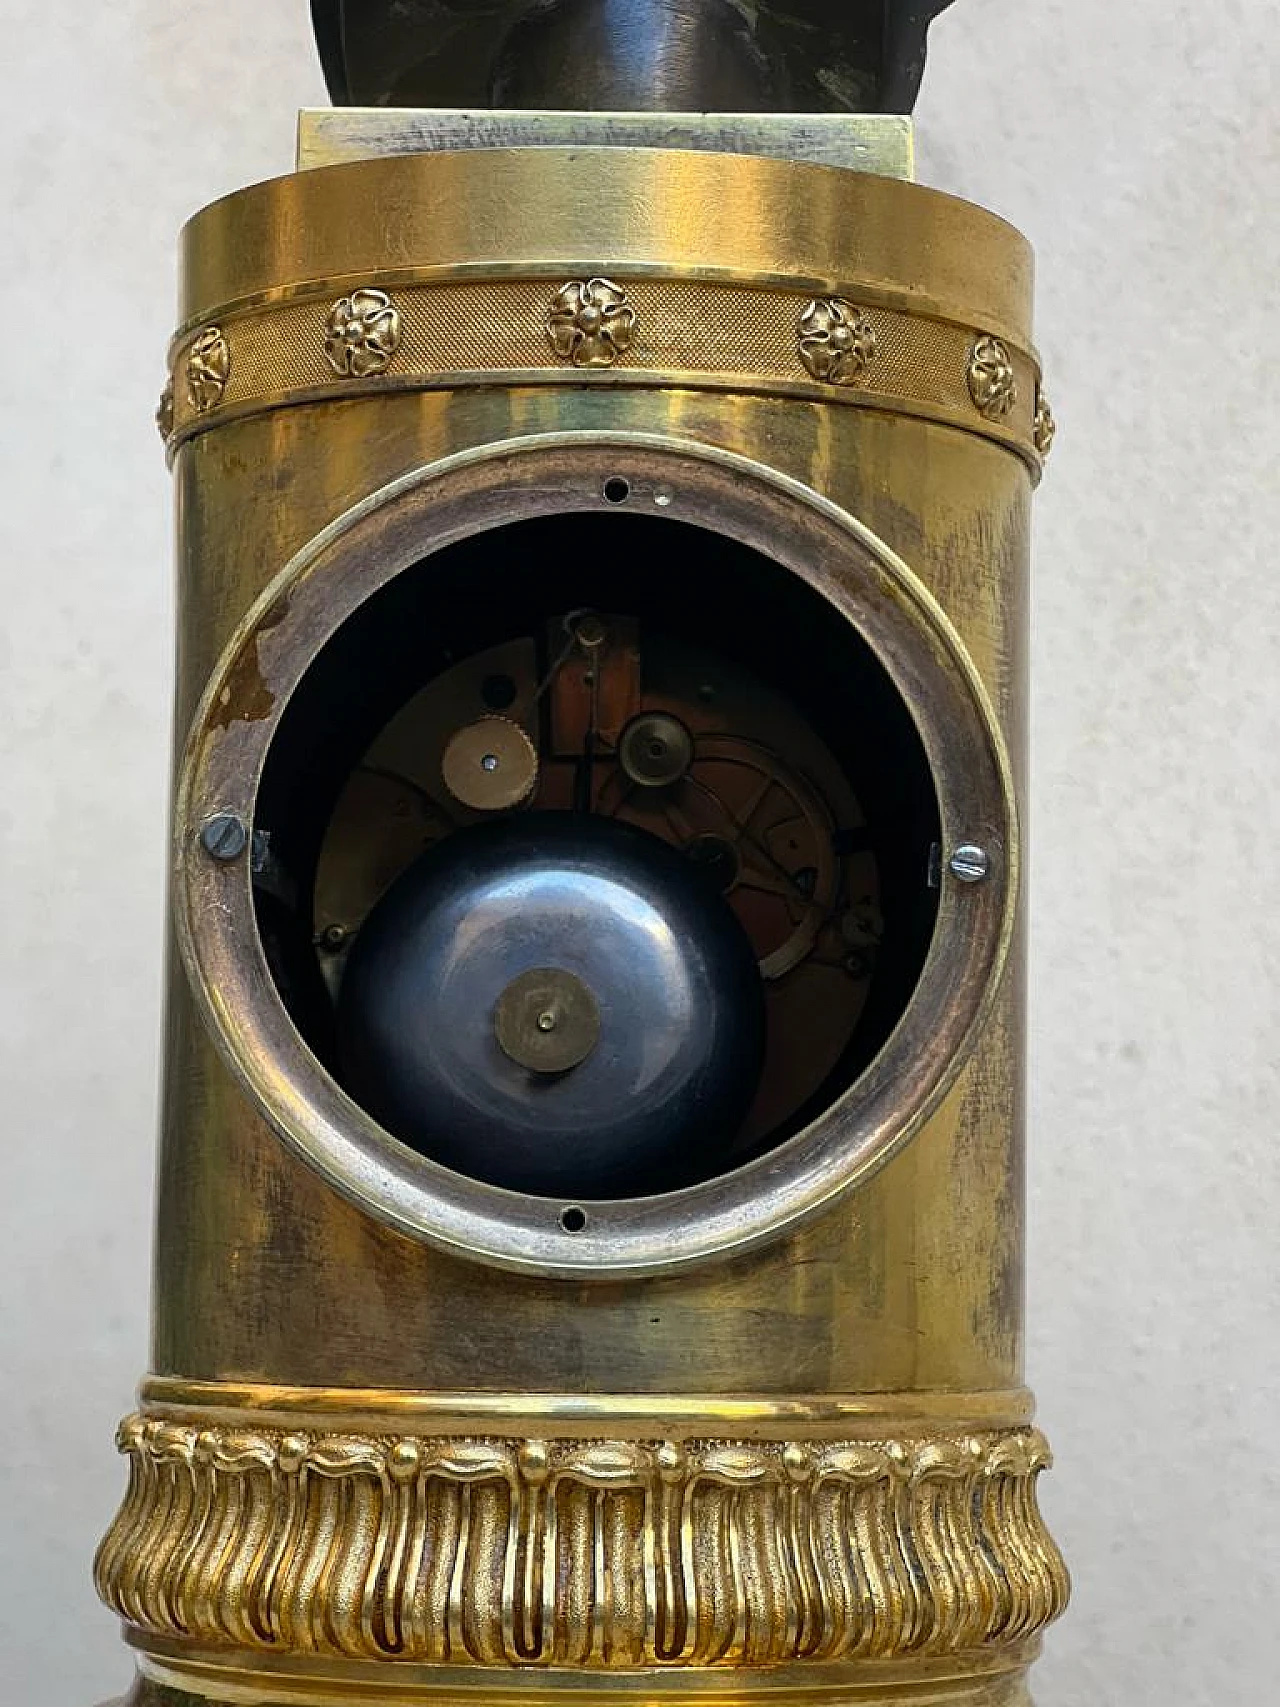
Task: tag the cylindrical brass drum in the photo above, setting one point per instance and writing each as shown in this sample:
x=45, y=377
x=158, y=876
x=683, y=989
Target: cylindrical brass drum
x=689, y=494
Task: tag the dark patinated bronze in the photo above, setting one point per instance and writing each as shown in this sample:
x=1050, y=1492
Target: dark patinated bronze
x=626, y=55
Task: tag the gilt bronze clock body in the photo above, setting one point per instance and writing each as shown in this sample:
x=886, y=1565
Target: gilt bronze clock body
x=589, y=1240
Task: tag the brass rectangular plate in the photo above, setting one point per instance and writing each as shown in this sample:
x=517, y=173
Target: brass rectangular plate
x=860, y=142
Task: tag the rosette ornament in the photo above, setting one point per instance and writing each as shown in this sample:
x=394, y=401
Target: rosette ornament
x=363, y=333
x=208, y=369
x=164, y=410
x=836, y=340
x=590, y=323
x=1045, y=425
x=991, y=379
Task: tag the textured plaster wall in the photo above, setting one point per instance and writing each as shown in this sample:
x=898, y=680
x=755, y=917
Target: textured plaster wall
x=1138, y=146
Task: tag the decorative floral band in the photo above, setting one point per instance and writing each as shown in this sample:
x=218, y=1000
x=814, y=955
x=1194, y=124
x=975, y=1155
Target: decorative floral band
x=602, y=1554
x=646, y=330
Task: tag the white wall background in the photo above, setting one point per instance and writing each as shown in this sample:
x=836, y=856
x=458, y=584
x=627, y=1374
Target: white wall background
x=1138, y=146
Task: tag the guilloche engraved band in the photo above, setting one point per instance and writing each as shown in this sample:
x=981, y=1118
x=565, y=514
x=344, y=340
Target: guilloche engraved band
x=402, y=334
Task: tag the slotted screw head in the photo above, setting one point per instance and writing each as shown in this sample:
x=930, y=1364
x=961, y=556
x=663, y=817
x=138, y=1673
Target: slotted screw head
x=970, y=863
x=224, y=836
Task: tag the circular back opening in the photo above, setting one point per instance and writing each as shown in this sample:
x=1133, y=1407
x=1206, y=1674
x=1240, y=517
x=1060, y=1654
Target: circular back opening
x=653, y=676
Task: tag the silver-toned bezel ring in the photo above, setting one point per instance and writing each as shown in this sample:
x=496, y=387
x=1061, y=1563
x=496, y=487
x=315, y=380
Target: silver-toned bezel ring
x=422, y=514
